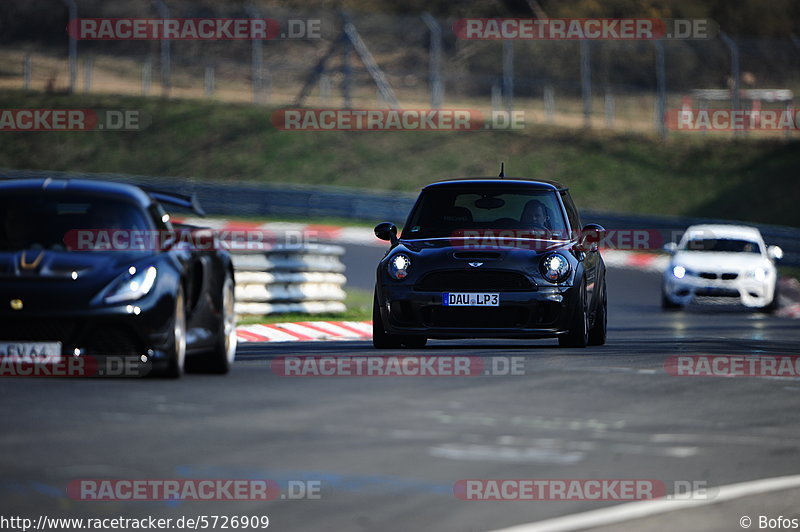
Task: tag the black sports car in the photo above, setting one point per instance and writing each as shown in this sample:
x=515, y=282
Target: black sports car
x=501, y=258
x=93, y=269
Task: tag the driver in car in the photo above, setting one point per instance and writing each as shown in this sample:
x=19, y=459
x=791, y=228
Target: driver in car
x=535, y=215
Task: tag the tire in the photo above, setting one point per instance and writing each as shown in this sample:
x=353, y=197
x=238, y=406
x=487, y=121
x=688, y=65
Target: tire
x=220, y=359
x=380, y=338
x=667, y=303
x=414, y=342
x=176, y=362
x=578, y=335
x=598, y=332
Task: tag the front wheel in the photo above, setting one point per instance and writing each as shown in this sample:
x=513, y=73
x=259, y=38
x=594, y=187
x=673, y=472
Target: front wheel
x=597, y=334
x=380, y=338
x=177, y=349
x=578, y=335
x=220, y=359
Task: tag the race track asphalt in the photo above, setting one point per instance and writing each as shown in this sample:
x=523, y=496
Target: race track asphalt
x=387, y=451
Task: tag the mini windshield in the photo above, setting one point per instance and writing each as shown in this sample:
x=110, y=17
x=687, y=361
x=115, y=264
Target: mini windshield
x=445, y=212
x=29, y=221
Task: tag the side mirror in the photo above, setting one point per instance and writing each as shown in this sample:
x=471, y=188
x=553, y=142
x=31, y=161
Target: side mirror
x=670, y=247
x=775, y=252
x=590, y=236
x=387, y=231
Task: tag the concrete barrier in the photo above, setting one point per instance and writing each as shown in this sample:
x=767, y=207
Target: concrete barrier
x=305, y=278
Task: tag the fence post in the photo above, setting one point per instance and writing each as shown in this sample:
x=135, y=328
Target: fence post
x=256, y=59
x=325, y=88
x=166, y=74
x=497, y=97
x=661, y=89
x=266, y=80
x=508, y=74
x=88, y=64
x=608, y=107
x=549, y=104
x=73, y=45
x=586, y=83
x=147, y=76
x=702, y=105
x=26, y=72
x=208, y=81
x=347, y=74
x=735, y=74
x=435, y=67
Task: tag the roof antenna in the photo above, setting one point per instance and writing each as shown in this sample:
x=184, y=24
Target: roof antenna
x=502, y=170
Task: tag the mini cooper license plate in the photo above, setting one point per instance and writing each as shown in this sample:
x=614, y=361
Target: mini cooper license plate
x=470, y=299
x=33, y=352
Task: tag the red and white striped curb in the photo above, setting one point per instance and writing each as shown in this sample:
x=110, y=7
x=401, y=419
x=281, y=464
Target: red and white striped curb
x=792, y=311
x=648, y=262
x=305, y=331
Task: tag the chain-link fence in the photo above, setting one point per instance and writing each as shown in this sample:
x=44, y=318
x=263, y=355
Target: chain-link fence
x=323, y=58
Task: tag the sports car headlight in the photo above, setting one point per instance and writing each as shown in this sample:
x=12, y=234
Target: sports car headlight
x=555, y=267
x=679, y=272
x=759, y=274
x=398, y=266
x=132, y=285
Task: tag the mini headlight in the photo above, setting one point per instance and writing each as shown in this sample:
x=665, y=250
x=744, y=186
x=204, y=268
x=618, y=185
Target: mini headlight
x=555, y=267
x=398, y=266
x=679, y=272
x=132, y=286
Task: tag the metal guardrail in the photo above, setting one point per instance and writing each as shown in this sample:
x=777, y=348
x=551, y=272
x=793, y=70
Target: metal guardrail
x=320, y=201
x=306, y=278
x=262, y=199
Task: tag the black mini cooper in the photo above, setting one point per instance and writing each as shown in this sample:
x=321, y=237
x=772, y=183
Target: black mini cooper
x=491, y=258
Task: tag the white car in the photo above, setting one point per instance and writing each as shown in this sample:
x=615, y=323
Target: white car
x=721, y=264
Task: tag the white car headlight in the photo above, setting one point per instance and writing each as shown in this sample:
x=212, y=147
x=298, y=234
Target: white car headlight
x=759, y=274
x=398, y=266
x=132, y=285
x=679, y=272
x=555, y=267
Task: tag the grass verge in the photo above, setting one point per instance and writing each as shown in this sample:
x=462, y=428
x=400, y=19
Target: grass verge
x=692, y=175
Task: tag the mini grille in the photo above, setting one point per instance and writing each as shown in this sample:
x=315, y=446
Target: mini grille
x=478, y=280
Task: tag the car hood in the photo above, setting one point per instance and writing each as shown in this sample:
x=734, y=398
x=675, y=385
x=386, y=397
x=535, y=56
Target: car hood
x=503, y=246
x=719, y=261
x=60, y=280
